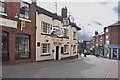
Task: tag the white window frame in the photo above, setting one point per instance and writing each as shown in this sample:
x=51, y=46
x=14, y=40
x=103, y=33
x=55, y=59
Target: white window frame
x=47, y=48
x=65, y=49
x=43, y=26
x=74, y=35
x=66, y=32
x=74, y=48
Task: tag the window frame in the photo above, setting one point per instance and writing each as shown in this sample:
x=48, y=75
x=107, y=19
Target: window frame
x=66, y=33
x=17, y=52
x=28, y=11
x=65, y=49
x=43, y=27
x=7, y=50
x=47, y=48
x=74, y=48
x=74, y=35
x=3, y=7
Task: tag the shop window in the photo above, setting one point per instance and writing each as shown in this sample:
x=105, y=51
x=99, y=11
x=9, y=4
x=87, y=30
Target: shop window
x=22, y=46
x=115, y=53
x=4, y=44
x=45, y=48
x=24, y=10
x=45, y=27
x=2, y=6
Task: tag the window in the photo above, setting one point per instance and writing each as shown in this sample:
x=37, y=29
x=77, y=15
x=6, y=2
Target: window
x=45, y=27
x=106, y=29
x=22, y=46
x=74, y=47
x=74, y=35
x=2, y=6
x=65, y=32
x=107, y=40
x=4, y=45
x=65, y=49
x=24, y=10
x=45, y=48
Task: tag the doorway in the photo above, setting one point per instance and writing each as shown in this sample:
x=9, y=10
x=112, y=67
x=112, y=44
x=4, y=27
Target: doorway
x=57, y=52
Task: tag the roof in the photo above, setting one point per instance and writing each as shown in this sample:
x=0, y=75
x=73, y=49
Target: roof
x=54, y=16
x=115, y=24
x=74, y=25
x=48, y=13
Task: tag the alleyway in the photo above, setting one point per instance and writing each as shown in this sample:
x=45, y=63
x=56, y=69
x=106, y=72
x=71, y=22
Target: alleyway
x=89, y=67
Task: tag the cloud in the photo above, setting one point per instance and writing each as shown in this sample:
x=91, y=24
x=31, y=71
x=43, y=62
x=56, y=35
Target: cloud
x=97, y=23
x=104, y=3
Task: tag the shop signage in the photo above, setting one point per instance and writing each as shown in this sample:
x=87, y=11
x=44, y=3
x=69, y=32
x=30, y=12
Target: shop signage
x=8, y=23
x=22, y=24
x=112, y=46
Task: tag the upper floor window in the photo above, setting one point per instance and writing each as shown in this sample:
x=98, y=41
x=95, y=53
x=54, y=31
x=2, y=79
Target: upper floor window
x=74, y=35
x=65, y=32
x=2, y=6
x=106, y=30
x=45, y=27
x=24, y=10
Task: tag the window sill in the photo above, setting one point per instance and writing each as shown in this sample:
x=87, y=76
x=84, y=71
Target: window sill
x=25, y=19
x=65, y=53
x=4, y=14
x=46, y=34
x=45, y=54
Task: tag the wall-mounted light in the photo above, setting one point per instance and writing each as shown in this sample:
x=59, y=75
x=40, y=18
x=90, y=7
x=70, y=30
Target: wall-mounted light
x=16, y=16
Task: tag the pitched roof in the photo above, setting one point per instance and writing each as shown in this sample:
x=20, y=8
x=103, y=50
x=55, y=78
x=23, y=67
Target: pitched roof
x=54, y=16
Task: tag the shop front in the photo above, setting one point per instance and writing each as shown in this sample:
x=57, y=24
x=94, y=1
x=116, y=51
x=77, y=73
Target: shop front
x=114, y=51
x=106, y=51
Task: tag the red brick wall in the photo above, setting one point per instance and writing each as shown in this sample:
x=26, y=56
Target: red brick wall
x=30, y=28
x=113, y=35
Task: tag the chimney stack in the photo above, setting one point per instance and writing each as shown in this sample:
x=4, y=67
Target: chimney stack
x=64, y=12
x=96, y=32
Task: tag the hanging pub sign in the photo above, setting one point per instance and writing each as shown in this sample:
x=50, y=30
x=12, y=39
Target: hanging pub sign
x=22, y=24
x=57, y=32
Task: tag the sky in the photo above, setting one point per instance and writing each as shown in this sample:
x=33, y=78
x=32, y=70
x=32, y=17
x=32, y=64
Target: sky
x=89, y=15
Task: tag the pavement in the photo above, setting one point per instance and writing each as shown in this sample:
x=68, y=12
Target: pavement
x=88, y=67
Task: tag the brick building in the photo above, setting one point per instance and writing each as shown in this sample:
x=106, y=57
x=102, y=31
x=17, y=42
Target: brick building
x=18, y=28
x=112, y=41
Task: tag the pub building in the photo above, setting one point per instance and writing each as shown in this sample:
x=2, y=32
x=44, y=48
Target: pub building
x=17, y=30
x=55, y=39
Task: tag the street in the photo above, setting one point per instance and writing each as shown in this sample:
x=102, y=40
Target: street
x=89, y=67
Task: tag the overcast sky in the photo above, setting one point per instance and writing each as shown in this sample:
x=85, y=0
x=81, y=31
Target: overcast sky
x=89, y=16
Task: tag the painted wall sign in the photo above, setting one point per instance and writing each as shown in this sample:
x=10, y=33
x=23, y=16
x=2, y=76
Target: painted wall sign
x=8, y=23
